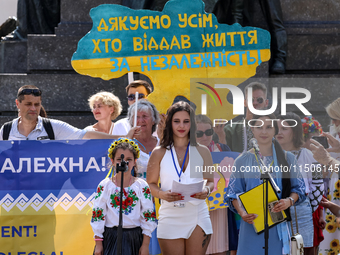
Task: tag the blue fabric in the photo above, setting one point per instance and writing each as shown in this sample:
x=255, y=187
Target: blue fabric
x=249, y=241
x=154, y=248
x=224, y=147
x=305, y=222
x=232, y=231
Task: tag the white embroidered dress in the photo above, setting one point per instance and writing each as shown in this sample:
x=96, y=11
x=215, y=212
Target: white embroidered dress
x=138, y=209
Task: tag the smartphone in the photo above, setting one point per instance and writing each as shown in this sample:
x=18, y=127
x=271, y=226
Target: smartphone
x=276, y=217
x=322, y=140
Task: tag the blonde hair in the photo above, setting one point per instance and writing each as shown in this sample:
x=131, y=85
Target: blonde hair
x=333, y=109
x=108, y=99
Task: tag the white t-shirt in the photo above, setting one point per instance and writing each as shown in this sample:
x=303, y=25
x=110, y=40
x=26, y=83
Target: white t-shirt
x=122, y=127
x=62, y=131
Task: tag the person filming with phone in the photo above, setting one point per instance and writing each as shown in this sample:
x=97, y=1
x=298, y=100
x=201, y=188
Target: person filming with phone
x=331, y=172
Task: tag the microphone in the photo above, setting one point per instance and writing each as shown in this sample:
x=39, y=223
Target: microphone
x=123, y=166
x=255, y=146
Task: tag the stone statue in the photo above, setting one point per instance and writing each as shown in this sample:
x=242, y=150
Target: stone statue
x=158, y=5
x=8, y=26
x=36, y=17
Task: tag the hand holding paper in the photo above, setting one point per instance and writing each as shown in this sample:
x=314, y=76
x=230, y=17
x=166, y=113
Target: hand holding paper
x=186, y=190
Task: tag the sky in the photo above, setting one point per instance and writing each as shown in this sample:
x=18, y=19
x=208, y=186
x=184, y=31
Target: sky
x=7, y=8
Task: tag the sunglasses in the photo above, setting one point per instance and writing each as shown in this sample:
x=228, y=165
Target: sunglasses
x=259, y=100
x=208, y=132
x=34, y=92
x=132, y=97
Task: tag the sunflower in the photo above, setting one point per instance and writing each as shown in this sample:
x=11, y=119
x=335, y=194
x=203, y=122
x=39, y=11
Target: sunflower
x=331, y=227
x=330, y=218
x=337, y=185
x=336, y=194
x=331, y=252
x=335, y=244
x=329, y=197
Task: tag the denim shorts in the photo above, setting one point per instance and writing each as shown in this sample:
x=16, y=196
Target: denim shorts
x=305, y=222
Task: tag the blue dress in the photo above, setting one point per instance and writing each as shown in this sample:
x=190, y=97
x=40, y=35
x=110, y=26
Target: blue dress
x=241, y=181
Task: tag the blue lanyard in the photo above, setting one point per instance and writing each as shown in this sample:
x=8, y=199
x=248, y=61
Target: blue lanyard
x=173, y=160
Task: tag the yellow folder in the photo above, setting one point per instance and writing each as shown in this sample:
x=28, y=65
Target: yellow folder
x=254, y=203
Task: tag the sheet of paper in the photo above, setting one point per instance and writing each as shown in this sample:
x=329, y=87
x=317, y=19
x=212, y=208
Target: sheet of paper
x=187, y=189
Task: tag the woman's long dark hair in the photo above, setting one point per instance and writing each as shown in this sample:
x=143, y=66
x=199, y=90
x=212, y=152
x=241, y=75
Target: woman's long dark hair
x=297, y=130
x=168, y=133
x=282, y=161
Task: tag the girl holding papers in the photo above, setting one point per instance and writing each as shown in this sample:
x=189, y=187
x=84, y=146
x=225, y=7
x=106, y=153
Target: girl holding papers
x=183, y=227
x=291, y=185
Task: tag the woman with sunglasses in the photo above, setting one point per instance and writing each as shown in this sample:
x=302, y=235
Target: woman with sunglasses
x=205, y=132
x=183, y=227
x=290, y=137
x=105, y=107
x=219, y=242
x=290, y=183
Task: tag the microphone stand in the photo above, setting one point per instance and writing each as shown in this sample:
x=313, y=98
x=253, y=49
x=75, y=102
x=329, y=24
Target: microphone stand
x=267, y=178
x=123, y=167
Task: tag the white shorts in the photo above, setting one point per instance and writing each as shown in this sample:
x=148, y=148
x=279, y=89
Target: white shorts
x=180, y=222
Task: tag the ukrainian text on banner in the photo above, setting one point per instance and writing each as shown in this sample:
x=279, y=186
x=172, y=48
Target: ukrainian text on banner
x=170, y=47
x=46, y=194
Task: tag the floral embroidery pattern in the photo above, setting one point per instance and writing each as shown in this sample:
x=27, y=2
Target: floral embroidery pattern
x=100, y=190
x=147, y=192
x=130, y=200
x=97, y=215
x=149, y=215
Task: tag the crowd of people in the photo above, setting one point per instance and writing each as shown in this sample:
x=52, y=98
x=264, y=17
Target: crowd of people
x=164, y=149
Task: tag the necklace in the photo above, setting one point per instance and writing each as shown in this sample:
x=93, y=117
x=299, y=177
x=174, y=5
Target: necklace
x=144, y=148
x=179, y=157
x=173, y=160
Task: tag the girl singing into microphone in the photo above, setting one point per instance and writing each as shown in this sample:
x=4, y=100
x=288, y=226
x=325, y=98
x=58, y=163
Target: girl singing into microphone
x=138, y=211
x=290, y=183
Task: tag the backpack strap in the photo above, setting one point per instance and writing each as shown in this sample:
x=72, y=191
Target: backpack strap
x=6, y=130
x=48, y=127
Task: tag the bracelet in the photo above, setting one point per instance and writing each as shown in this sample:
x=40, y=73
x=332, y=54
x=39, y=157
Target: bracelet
x=292, y=201
x=98, y=239
x=208, y=190
x=329, y=164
